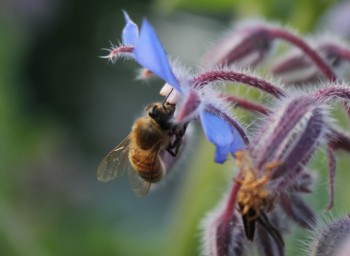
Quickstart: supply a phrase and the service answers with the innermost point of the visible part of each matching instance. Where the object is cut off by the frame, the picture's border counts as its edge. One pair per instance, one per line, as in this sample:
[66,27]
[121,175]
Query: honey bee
[139,152]
[254,197]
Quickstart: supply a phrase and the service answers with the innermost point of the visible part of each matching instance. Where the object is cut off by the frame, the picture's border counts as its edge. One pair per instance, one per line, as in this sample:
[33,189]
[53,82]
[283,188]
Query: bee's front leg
[174,147]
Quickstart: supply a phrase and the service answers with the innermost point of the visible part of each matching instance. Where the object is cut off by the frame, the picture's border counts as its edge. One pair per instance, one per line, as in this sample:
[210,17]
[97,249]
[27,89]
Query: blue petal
[221,154]
[237,143]
[150,53]
[130,32]
[218,132]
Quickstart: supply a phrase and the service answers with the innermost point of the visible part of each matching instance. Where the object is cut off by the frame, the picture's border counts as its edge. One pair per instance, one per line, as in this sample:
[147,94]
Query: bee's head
[161,112]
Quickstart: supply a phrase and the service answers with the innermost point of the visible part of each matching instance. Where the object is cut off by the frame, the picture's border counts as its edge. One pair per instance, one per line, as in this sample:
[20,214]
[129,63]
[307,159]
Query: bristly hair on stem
[249,44]
[296,68]
[331,237]
[226,75]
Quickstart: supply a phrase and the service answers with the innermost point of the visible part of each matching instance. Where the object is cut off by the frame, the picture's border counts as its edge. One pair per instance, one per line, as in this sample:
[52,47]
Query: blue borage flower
[145,48]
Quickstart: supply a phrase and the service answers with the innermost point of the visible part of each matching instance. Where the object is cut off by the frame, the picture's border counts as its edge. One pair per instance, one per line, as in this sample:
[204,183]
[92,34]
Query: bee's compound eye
[153,111]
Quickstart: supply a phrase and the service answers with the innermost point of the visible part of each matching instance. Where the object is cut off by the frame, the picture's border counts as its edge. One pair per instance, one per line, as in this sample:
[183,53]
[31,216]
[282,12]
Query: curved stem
[327,93]
[231,202]
[246,104]
[336,50]
[233,76]
[300,43]
[338,140]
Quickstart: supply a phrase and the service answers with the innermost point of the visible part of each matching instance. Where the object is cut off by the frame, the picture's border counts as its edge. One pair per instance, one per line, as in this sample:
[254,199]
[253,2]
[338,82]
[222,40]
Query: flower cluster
[272,162]
[272,171]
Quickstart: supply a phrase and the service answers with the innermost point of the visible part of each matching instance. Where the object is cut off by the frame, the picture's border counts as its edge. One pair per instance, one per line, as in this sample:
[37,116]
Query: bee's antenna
[167,98]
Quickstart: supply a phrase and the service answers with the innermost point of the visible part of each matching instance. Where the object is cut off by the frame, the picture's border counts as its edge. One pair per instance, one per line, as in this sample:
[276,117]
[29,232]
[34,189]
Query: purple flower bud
[266,243]
[338,139]
[307,50]
[246,46]
[250,44]
[223,233]
[297,68]
[344,249]
[297,209]
[289,135]
[304,181]
[331,238]
[272,173]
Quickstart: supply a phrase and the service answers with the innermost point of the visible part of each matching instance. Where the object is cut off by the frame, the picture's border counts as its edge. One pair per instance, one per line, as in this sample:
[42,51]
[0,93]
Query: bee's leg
[181,132]
[173,148]
[172,153]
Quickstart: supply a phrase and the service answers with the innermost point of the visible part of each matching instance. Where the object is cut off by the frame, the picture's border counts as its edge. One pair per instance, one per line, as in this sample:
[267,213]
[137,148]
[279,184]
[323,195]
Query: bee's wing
[115,163]
[137,183]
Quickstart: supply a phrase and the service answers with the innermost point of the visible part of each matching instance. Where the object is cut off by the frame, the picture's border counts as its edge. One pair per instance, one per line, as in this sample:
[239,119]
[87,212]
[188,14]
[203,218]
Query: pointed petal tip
[130,32]
[150,53]
[126,16]
[221,154]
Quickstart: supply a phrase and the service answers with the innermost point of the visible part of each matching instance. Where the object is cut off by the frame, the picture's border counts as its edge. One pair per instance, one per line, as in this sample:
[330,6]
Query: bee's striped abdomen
[148,166]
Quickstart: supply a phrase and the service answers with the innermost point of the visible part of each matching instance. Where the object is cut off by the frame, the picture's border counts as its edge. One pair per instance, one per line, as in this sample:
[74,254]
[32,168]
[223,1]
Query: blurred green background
[62,108]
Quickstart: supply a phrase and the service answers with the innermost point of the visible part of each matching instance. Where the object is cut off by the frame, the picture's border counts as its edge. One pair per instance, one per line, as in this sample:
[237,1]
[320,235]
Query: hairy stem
[233,76]
[245,104]
[301,44]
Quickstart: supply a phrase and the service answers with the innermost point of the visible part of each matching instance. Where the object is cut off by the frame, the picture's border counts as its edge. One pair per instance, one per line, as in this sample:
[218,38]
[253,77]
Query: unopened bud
[333,239]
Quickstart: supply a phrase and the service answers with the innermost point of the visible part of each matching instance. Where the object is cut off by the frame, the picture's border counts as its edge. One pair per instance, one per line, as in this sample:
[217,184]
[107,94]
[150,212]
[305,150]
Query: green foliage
[299,14]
